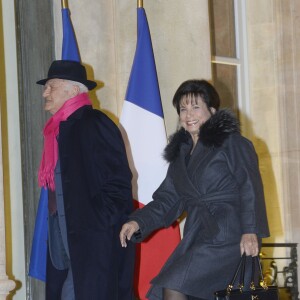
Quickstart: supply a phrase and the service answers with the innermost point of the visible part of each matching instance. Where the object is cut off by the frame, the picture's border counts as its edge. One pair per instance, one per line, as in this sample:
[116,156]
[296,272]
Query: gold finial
[140,3]
[64,4]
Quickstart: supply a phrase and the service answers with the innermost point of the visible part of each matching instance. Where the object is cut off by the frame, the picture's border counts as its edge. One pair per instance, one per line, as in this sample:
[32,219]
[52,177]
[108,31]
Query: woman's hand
[249,244]
[128,229]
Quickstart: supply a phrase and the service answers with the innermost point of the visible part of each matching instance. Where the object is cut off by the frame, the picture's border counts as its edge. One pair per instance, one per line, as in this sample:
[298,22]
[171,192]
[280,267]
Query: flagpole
[64,4]
[139,3]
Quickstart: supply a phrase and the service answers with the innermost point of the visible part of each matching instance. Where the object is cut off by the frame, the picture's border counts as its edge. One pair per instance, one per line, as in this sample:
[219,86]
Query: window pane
[225,81]
[222,28]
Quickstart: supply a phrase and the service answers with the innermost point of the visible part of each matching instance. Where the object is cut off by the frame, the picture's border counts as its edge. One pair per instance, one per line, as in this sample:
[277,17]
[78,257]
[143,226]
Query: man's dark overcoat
[96,182]
[220,188]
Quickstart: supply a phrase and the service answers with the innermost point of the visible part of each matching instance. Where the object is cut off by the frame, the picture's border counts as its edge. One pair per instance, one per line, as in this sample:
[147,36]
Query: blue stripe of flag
[143,88]
[38,257]
[69,46]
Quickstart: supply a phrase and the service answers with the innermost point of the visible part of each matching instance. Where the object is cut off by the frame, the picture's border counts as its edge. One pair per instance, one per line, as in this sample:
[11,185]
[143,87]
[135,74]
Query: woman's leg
[173,295]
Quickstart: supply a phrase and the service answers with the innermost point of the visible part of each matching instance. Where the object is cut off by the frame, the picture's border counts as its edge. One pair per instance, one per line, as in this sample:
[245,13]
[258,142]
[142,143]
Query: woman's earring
[212,110]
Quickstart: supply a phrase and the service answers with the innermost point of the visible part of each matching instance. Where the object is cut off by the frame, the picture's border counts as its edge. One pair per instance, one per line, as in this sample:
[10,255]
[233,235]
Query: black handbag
[261,292]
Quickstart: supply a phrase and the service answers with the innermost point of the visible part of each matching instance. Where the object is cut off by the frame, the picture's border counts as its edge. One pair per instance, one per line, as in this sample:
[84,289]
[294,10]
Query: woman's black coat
[220,188]
[96,182]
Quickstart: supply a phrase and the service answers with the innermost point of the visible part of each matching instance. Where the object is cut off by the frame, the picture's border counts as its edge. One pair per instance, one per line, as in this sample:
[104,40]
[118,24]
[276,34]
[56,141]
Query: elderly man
[85,170]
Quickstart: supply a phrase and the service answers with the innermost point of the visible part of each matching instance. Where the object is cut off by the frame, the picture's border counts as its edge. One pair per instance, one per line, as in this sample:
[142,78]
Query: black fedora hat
[70,70]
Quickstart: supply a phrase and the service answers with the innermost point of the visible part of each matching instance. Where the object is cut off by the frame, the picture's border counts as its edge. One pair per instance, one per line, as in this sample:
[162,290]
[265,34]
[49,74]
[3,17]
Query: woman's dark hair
[200,88]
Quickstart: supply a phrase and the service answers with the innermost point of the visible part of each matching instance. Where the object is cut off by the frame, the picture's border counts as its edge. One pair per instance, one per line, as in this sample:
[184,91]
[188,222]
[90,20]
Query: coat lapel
[183,182]
[199,155]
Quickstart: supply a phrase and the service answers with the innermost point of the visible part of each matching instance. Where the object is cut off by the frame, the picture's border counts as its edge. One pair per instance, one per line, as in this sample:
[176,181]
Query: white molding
[225,60]
[14,156]
[242,49]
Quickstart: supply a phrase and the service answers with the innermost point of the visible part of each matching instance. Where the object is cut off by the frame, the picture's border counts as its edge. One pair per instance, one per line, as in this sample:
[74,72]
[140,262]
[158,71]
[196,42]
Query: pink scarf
[51,131]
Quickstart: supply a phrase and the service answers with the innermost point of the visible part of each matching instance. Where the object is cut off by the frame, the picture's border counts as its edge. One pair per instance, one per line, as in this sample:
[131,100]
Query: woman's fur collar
[212,133]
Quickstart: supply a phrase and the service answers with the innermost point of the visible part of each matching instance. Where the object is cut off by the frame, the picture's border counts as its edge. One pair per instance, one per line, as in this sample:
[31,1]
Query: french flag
[143,129]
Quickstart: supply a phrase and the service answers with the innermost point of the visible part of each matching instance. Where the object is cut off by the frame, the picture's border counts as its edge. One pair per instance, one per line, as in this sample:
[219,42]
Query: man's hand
[127,231]
[249,244]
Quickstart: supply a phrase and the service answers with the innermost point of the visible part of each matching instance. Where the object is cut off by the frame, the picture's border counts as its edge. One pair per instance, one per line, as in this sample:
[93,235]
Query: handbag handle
[241,263]
[241,269]
[262,282]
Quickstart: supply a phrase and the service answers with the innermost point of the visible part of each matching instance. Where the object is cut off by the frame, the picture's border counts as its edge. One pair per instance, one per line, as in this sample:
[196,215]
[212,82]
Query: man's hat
[70,70]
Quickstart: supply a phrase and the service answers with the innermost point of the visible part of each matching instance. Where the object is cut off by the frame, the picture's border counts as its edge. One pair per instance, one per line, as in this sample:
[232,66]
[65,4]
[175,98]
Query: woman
[213,175]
